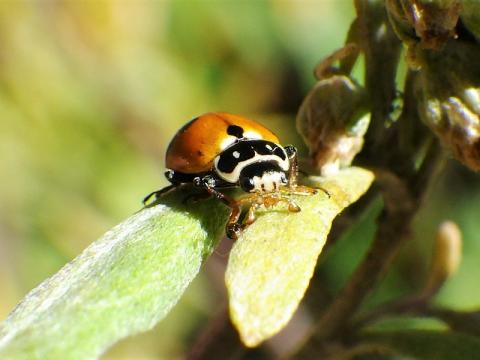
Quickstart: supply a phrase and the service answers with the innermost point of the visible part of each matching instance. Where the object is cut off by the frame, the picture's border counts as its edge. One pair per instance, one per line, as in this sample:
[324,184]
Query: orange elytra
[196,144]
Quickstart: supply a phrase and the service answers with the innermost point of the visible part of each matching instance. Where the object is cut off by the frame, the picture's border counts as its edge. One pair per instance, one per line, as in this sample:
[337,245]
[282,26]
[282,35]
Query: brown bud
[425,23]
[449,99]
[332,120]
[401,18]
[447,255]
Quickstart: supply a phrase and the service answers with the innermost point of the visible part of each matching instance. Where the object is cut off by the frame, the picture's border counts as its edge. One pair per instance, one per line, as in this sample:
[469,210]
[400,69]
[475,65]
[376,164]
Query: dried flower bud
[471,16]
[402,21]
[450,99]
[428,23]
[332,120]
[447,255]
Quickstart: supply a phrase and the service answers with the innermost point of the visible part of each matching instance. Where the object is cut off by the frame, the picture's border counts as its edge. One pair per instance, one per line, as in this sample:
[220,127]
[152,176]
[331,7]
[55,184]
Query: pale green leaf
[271,264]
[122,284]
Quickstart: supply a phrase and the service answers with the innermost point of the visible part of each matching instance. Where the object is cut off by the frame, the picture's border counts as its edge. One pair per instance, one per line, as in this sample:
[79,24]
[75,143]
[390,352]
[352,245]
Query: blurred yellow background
[92,91]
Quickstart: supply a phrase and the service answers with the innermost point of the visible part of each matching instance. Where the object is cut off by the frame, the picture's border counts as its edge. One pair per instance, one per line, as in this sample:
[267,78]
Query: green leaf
[460,321]
[471,16]
[122,284]
[434,345]
[271,264]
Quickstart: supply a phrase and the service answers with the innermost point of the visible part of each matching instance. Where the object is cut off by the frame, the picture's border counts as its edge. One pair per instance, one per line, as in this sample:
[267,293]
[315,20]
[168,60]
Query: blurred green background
[92,91]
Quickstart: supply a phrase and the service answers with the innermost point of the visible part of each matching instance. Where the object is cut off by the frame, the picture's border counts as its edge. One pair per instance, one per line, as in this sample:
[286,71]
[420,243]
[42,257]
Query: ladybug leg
[268,201]
[176,180]
[272,200]
[294,188]
[233,227]
[194,198]
[293,170]
[250,218]
[157,194]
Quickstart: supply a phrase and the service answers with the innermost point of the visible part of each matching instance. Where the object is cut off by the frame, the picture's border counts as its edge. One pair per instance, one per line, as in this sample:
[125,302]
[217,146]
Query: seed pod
[449,99]
[447,255]
[332,120]
[427,23]
[402,21]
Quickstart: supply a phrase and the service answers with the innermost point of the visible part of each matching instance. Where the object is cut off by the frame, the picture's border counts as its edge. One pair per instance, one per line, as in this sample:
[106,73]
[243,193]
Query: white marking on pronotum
[235,174]
[236,154]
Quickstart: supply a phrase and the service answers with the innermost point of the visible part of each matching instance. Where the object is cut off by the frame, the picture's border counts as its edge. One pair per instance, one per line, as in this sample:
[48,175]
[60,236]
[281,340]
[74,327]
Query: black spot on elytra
[235,130]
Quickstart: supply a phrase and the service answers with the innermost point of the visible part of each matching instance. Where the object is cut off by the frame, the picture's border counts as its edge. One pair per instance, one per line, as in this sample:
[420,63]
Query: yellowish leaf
[271,264]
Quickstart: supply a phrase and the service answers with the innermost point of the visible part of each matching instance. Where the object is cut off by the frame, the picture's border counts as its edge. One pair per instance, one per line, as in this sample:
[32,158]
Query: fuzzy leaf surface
[271,264]
[122,284]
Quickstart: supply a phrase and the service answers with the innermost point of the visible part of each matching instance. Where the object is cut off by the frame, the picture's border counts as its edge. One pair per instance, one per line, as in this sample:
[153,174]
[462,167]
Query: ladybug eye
[246,184]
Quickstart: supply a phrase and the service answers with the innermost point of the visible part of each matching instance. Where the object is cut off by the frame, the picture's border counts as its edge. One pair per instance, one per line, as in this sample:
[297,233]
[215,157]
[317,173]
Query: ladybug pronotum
[216,151]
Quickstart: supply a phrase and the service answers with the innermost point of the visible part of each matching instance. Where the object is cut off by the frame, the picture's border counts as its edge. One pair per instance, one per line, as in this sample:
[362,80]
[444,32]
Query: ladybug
[216,151]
